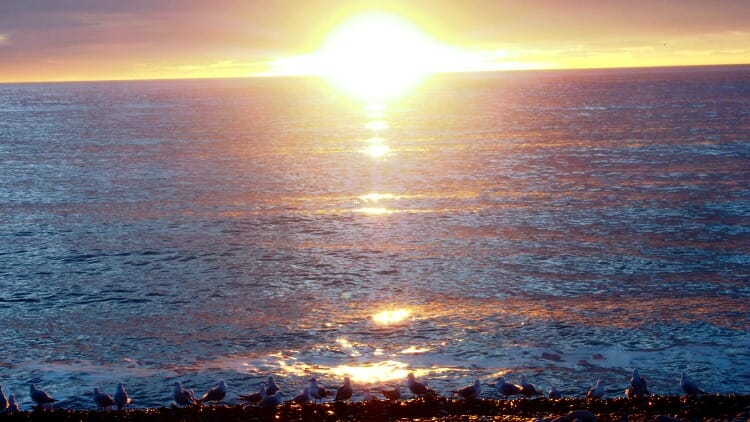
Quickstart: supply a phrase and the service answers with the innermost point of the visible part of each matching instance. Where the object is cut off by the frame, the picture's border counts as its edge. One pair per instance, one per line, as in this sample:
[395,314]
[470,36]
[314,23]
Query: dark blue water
[569,226]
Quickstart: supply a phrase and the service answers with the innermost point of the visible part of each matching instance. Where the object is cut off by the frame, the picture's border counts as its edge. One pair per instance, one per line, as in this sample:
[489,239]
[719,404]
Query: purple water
[569,226]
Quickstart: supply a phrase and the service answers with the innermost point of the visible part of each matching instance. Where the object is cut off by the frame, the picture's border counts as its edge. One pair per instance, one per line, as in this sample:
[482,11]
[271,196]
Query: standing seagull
[596,392]
[688,386]
[42,399]
[256,397]
[270,402]
[3,401]
[303,397]
[182,396]
[103,401]
[345,391]
[271,387]
[13,406]
[470,392]
[121,397]
[317,392]
[528,389]
[393,394]
[417,388]
[507,389]
[638,386]
[215,394]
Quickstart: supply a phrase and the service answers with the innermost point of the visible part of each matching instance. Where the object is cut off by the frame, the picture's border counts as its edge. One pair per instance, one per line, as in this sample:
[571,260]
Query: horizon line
[280,76]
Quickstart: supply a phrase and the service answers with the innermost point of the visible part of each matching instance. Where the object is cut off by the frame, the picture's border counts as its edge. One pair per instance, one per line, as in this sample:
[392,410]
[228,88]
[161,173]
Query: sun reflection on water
[391,316]
[377,125]
[377,150]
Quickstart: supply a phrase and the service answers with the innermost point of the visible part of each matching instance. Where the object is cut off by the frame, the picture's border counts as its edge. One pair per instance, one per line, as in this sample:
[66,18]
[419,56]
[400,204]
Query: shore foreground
[664,409]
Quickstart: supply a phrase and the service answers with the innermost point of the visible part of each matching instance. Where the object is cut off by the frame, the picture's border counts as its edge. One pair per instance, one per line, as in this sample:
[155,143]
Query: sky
[65,40]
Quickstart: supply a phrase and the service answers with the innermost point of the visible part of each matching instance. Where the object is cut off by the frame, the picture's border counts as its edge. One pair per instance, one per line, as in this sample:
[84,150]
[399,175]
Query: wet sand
[731,407]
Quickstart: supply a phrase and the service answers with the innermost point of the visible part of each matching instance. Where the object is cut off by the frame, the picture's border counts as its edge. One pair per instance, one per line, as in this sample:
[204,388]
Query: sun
[373,56]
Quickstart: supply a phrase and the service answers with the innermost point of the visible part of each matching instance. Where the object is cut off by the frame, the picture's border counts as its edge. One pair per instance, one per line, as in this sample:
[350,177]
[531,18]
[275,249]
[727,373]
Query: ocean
[566,225]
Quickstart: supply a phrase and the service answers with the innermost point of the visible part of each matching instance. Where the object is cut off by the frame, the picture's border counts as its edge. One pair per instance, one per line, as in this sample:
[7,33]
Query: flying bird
[103,401]
[215,394]
[256,397]
[470,392]
[596,392]
[182,396]
[528,389]
[121,397]
[689,387]
[42,399]
[345,391]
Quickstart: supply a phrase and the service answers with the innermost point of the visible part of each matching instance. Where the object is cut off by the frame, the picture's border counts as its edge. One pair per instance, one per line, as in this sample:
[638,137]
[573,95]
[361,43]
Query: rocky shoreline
[665,409]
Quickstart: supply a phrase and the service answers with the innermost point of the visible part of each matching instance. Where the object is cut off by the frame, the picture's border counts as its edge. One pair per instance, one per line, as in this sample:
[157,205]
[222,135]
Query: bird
[528,389]
[507,389]
[270,401]
[554,393]
[596,392]
[345,391]
[317,392]
[103,401]
[368,396]
[417,388]
[689,387]
[303,397]
[12,405]
[182,396]
[256,397]
[393,394]
[638,387]
[271,387]
[470,392]
[121,397]
[42,399]
[215,394]
[3,400]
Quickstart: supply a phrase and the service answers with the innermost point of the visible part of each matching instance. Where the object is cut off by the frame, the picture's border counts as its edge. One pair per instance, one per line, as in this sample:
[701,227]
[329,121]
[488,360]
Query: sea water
[566,225]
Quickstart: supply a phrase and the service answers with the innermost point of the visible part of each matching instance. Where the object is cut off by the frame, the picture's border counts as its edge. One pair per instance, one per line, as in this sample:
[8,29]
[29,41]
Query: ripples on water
[566,225]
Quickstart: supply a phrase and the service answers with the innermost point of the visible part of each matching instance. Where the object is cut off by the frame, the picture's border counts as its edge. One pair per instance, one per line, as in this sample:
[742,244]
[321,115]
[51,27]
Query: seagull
[637,386]
[470,392]
[256,397]
[270,402]
[303,397]
[3,400]
[596,392]
[41,397]
[507,389]
[271,387]
[417,388]
[317,392]
[183,397]
[393,394]
[103,401]
[368,396]
[554,393]
[689,387]
[528,389]
[121,397]
[12,406]
[215,394]
[345,391]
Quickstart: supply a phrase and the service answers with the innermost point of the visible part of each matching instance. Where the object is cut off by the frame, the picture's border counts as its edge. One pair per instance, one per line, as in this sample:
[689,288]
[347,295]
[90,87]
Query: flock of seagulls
[269,394]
